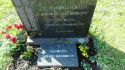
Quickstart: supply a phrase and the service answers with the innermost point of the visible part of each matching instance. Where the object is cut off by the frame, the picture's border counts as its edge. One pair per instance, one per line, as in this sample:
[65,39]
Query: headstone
[56,25]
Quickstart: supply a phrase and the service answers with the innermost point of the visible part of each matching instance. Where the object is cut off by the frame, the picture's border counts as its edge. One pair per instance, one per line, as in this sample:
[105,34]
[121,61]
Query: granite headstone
[56,25]
[56,18]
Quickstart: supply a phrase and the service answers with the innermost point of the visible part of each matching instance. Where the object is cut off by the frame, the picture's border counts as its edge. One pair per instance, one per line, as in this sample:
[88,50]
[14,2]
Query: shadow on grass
[108,57]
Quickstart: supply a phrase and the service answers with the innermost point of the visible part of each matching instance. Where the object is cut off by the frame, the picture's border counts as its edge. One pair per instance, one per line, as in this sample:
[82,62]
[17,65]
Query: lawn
[107,29]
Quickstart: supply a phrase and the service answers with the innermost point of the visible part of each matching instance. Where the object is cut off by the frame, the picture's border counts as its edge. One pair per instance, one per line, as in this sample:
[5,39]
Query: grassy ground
[109,33]
[107,29]
[7,17]
[6,8]
[109,22]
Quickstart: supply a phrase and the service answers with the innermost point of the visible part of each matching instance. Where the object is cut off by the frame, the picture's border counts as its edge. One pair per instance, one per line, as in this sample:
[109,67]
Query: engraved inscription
[63,18]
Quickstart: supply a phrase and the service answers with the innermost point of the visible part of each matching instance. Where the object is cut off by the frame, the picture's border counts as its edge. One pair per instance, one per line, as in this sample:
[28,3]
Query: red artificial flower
[16,26]
[3,32]
[13,39]
[21,26]
[9,27]
[7,36]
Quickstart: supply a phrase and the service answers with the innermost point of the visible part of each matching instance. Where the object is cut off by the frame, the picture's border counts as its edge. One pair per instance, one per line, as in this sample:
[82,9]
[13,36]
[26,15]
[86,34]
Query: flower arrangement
[13,38]
[12,32]
[12,42]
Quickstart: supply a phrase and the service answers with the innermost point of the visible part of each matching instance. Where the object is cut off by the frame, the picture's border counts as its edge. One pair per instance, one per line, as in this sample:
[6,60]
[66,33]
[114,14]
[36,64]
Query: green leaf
[14,33]
[0,43]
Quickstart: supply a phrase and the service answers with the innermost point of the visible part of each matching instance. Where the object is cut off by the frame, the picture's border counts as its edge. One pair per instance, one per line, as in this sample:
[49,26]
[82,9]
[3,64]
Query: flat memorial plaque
[58,53]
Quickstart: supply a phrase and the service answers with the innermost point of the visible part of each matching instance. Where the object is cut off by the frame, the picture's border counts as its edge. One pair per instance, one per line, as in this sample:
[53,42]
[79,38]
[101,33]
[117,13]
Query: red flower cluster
[19,26]
[13,39]
[8,36]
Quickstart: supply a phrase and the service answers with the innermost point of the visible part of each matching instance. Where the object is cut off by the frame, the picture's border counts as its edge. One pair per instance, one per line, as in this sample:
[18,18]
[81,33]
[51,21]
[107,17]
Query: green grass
[6,8]
[8,16]
[4,59]
[108,30]
[109,19]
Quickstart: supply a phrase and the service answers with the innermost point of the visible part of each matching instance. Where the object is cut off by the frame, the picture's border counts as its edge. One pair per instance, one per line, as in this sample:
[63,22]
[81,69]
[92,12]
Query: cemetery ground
[107,31]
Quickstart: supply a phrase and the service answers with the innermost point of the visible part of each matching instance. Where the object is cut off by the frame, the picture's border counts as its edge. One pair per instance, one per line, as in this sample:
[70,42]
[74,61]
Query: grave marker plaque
[58,53]
[50,21]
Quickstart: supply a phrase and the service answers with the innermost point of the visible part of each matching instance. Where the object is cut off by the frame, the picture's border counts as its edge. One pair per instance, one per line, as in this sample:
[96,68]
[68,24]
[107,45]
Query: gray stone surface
[51,40]
[56,18]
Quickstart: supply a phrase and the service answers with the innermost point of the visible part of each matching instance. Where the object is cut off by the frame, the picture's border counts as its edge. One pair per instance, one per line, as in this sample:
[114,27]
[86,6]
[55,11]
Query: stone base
[61,52]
